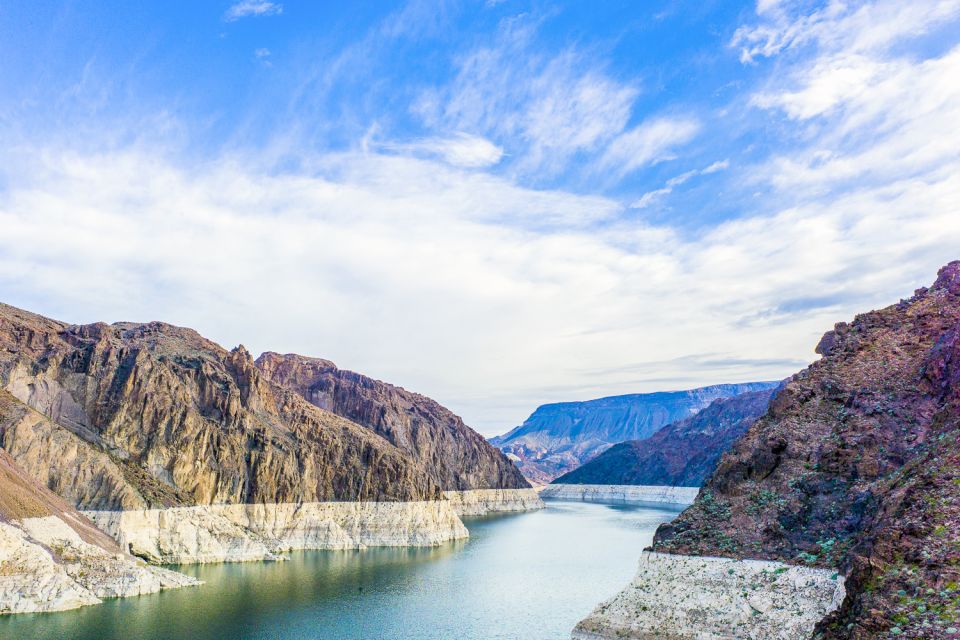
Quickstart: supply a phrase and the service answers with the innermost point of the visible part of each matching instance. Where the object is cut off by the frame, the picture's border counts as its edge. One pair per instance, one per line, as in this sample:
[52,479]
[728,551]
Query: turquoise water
[530,575]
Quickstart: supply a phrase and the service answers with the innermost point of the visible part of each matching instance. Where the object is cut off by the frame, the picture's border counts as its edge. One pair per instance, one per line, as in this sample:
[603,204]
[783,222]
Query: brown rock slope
[455,456]
[23,497]
[153,415]
[856,465]
[682,454]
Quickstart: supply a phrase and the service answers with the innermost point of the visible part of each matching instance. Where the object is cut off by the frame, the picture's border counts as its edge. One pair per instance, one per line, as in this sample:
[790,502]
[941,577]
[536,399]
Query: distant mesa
[558,438]
[681,454]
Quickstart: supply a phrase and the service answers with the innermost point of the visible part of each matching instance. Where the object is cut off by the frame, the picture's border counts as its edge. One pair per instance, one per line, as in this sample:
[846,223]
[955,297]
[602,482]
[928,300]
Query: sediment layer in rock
[52,558]
[479,502]
[620,493]
[46,566]
[677,597]
[251,532]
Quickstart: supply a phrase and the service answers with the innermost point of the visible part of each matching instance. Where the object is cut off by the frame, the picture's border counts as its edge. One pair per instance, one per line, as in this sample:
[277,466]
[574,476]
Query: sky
[497,204]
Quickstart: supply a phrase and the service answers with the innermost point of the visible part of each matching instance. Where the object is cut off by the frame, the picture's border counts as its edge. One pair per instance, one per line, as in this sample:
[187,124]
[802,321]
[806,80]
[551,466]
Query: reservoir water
[530,575]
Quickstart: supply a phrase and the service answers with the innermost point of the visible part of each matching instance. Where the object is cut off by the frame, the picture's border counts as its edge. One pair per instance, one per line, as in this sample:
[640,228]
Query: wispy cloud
[649,142]
[856,27]
[247,8]
[543,108]
[654,196]
[460,150]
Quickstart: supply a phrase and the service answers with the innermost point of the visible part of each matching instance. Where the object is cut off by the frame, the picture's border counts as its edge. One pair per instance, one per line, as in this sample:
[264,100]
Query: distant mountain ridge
[683,453]
[559,437]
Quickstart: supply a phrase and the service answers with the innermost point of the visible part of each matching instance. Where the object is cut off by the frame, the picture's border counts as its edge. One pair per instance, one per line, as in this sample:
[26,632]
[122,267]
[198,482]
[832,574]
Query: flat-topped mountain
[681,454]
[855,467]
[558,438]
[455,456]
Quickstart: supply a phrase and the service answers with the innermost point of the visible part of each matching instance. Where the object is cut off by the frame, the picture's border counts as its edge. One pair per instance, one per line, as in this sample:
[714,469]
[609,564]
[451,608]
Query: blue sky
[498,204]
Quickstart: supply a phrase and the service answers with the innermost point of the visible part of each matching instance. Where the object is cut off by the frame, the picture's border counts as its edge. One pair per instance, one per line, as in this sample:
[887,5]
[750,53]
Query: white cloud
[857,27]
[488,296]
[647,143]
[544,109]
[262,52]
[246,8]
[461,150]
[875,111]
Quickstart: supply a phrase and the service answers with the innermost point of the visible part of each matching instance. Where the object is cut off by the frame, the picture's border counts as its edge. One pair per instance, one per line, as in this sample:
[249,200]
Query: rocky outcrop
[480,502]
[856,465]
[558,438]
[52,558]
[620,494]
[252,532]
[455,456]
[683,597]
[683,453]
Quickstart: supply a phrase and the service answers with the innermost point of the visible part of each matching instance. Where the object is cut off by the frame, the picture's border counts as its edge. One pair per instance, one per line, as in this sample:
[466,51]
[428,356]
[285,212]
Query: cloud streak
[252,8]
[651,197]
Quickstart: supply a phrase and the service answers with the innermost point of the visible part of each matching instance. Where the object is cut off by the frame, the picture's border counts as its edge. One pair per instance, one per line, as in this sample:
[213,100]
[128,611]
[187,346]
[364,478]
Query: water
[530,575]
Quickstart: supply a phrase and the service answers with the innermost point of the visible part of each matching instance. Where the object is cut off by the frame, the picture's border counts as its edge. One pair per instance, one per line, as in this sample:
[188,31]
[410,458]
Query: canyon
[184,451]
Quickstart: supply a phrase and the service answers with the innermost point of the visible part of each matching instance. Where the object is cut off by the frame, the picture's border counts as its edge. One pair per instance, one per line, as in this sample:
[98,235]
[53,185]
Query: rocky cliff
[169,419]
[558,438]
[682,454]
[856,466]
[455,456]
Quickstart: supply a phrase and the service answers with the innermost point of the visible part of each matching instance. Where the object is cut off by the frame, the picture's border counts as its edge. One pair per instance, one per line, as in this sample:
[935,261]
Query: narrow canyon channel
[528,575]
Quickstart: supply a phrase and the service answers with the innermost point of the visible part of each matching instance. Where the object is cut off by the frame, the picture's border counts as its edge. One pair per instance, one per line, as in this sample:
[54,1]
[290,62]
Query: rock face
[731,599]
[619,493]
[683,453]
[558,438]
[186,422]
[856,465]
[52,558]
[455,456]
